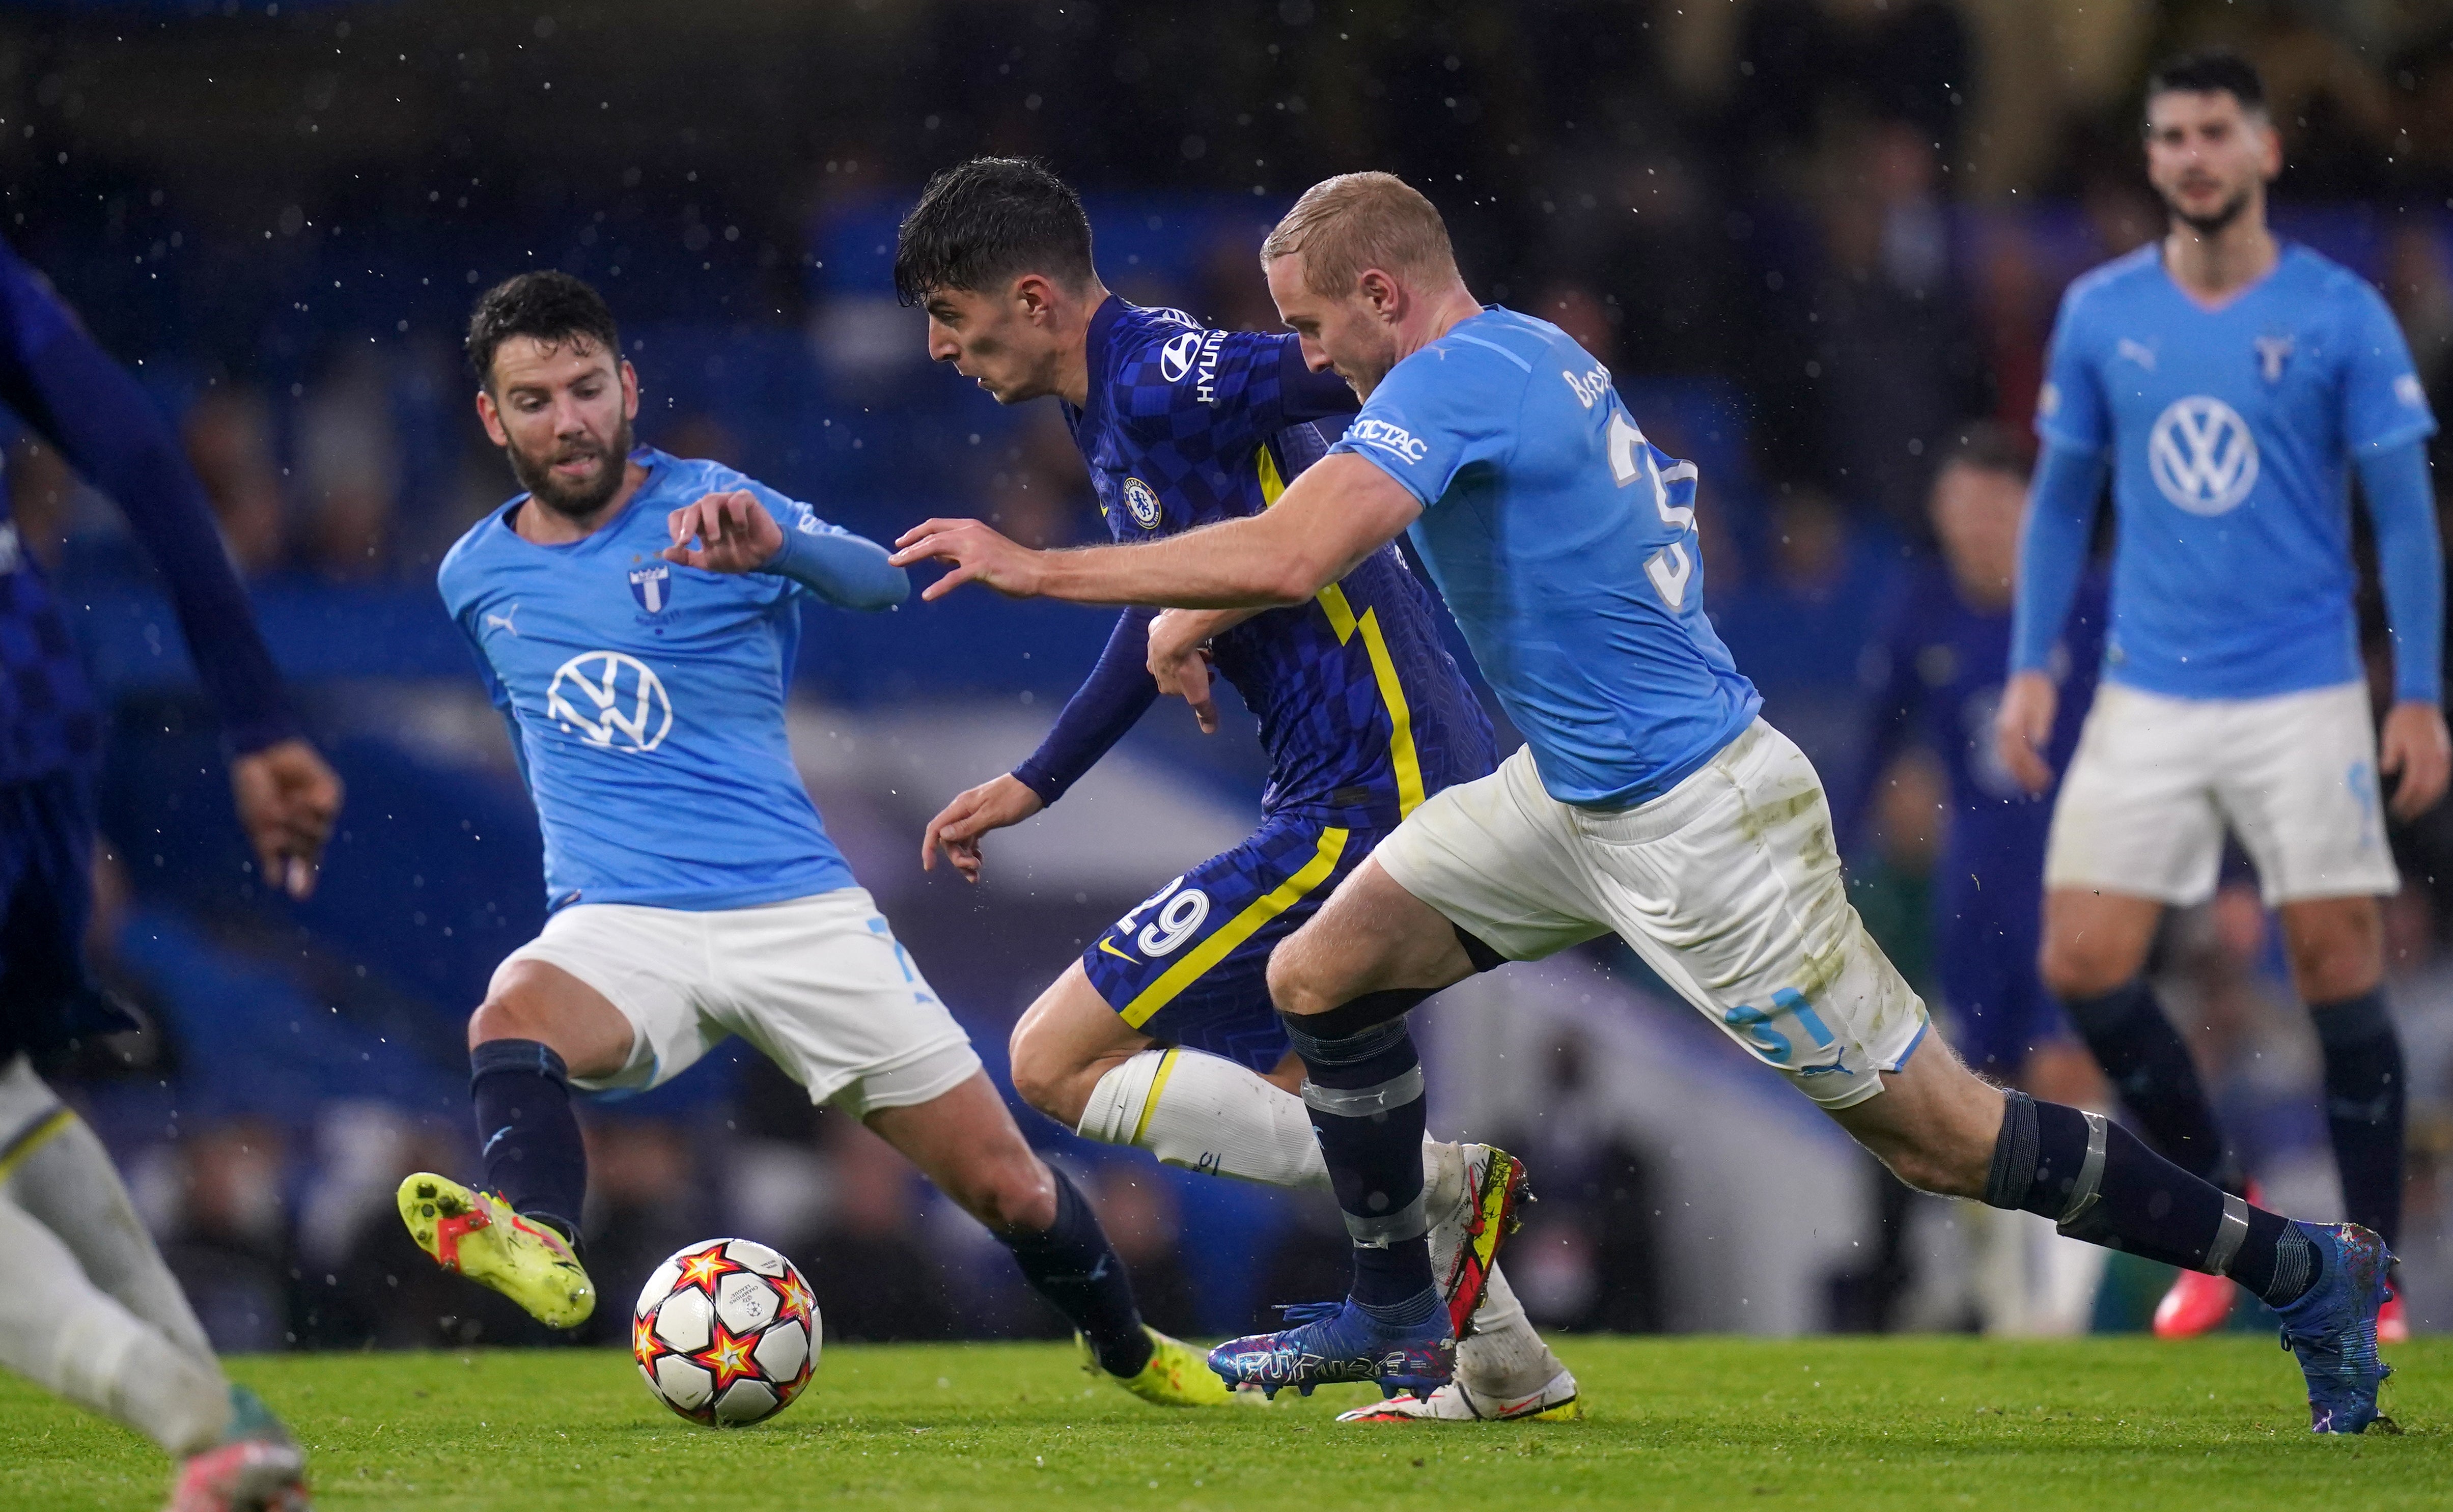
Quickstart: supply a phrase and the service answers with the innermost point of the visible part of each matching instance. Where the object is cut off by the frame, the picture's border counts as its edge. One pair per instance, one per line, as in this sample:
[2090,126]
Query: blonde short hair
[1344,225]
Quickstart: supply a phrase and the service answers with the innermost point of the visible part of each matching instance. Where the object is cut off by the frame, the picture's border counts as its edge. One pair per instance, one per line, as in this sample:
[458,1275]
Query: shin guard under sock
[2366,1106]
[2150,1065]
[528,1137]
[1071,1264]
[1363,1088]
[2100,1184]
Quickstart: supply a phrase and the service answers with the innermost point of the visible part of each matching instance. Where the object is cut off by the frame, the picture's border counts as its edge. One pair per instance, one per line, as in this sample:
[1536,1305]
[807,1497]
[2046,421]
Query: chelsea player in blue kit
[2233,382]
[1650,800]
[87,1306]
[1162,1035]
[635,617]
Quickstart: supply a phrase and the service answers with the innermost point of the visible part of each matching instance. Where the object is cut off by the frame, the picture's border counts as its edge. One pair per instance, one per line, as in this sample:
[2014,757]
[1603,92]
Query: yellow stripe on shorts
[1234,932]
[34,1139]
[1384,667]
[1149,1099]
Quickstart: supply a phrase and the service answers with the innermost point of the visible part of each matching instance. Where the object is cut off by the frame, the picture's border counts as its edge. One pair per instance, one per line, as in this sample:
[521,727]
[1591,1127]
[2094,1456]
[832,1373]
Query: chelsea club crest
[1141,503]
[653,587]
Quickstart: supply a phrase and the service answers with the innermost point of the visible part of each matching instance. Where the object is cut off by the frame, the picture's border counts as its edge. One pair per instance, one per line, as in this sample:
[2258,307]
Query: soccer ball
[726,1333]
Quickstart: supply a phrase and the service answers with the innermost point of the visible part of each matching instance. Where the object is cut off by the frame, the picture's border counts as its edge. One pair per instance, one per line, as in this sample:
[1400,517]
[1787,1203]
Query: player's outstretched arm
[735,532]
[1341,510]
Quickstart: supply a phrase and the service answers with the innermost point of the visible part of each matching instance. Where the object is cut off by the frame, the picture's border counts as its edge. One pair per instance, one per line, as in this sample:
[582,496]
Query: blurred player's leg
[64,1179]
[64,1333]
[966,1142]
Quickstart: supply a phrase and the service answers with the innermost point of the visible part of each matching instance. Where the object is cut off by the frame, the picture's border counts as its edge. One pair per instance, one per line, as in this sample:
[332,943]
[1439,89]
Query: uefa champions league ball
[726,1333]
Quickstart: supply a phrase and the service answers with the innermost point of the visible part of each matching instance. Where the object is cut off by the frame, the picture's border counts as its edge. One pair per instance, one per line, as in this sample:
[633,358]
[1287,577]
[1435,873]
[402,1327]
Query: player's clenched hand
[973,553]
[734,531]
[1180,661]
[2416,748]
[286,801]
[958,826]
[2024,727]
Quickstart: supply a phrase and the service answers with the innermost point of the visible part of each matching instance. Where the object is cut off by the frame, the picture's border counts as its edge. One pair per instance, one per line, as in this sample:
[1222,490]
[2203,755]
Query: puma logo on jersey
[503,622]
[2137,352]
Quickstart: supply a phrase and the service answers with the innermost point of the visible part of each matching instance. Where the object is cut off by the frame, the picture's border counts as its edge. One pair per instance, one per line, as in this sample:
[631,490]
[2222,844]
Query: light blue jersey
[2232,434]
[1566,544]
[645,702]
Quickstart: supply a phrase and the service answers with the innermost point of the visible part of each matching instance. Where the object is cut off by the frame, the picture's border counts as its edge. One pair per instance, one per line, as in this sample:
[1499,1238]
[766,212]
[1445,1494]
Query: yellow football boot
[478,1235]
[1178,1375]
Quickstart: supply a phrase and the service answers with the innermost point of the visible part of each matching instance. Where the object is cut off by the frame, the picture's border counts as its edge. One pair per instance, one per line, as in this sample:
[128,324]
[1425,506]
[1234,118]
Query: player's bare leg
[2094,959]
[2337,950]
[539,1027]
[966,1142]
[1076,1060]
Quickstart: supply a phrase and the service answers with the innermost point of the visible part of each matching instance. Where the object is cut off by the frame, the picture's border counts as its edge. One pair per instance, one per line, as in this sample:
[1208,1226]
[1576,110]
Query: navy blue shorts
[1190,965]
[47,998]
[1985,948]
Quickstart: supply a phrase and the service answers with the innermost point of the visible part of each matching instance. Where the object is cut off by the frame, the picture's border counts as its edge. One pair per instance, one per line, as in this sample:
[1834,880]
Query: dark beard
[2210,225]
[573,504]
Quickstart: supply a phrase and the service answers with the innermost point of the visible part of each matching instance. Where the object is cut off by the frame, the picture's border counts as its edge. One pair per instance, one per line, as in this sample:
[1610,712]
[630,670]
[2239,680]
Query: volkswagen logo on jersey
[610,701]
[653,587]
[2202,456]
[1141,503]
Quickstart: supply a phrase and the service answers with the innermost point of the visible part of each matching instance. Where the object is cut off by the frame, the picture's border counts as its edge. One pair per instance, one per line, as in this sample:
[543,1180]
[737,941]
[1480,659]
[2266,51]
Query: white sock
[60,1331]
[1504,1357]
[69,1185]
[1207,1114]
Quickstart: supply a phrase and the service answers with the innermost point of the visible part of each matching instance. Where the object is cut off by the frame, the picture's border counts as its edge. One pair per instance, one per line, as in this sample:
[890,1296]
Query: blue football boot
[2333,1330]
[1337,1340]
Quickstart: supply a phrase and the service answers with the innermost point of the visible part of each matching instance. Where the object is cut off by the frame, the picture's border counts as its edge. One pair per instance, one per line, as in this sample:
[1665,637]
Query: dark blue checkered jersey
[1361,709]
[56,380]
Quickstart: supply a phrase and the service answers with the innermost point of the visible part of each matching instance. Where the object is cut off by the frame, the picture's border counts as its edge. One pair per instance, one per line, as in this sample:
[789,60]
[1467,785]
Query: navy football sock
[1363,1084]
[2364,1106]
[1073,1266]
[528,1138]
[2150,1067]
[2101,1182]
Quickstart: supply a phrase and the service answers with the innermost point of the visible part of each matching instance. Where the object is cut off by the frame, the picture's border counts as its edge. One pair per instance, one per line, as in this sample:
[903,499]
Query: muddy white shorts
[2156,780]
[1727,884]
[819,985]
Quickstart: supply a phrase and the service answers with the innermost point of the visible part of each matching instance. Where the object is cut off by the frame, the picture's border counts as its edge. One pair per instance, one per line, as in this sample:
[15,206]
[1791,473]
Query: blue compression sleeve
[2410,560]
[845,569]
[2052,551]
[71,392]
[1116,694]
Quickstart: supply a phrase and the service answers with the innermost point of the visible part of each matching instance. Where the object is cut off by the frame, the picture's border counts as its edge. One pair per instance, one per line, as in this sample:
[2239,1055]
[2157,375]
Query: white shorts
[818,983]
[1727,884]
[2156,780]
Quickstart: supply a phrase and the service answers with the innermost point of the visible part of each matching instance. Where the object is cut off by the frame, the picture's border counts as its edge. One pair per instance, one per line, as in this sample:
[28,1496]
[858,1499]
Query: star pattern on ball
[644,1345]
[797,1302]
[703,1269]
[729,1358]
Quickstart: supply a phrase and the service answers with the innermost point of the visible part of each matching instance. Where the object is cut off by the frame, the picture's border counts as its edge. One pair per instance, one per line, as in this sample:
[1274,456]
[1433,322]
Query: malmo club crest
[1141,503]
[653,587]
[611,701]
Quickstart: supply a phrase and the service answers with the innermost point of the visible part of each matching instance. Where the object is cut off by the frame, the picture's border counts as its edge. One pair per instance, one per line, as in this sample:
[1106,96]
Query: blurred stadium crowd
[1814,239]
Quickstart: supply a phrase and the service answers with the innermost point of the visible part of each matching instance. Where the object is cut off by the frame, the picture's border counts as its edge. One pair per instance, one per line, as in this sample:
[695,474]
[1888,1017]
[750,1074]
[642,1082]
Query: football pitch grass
[1675,1423]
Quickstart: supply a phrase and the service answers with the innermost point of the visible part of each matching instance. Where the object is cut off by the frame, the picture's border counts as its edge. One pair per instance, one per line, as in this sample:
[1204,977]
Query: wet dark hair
[550,305]
[2216,71]
[985,222]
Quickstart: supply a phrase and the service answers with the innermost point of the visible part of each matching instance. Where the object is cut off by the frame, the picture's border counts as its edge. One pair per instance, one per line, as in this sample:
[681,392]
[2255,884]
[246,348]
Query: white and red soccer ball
[726,1333]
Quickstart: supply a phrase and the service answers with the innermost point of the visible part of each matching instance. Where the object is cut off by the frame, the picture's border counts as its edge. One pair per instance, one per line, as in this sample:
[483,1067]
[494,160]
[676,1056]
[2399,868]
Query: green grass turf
[1680,1422]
